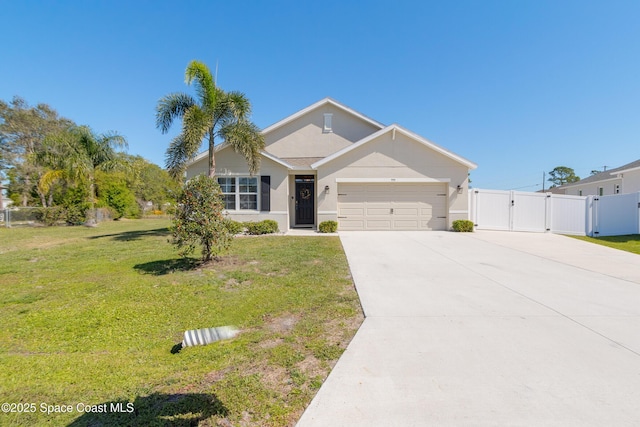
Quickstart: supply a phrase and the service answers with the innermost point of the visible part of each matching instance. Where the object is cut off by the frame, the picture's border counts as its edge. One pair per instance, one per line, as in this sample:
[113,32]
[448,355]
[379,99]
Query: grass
[629,243]
[90,317]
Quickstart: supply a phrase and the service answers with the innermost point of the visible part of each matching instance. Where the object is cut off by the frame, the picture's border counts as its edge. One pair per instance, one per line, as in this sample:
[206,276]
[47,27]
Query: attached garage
[392,206]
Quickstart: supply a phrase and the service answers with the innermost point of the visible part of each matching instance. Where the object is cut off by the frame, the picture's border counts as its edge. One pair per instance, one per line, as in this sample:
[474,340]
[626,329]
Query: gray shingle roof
[603,175]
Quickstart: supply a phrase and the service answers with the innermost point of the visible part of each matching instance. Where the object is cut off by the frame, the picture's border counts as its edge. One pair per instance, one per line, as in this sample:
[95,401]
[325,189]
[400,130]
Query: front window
[248,190]
[228,187]
[239,193]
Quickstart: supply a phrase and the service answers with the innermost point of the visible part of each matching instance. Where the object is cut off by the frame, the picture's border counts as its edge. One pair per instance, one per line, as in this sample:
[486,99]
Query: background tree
[199,220]
[215,113]
[113,191]
[149,182]
[561,175]
[23,130]
[75,154]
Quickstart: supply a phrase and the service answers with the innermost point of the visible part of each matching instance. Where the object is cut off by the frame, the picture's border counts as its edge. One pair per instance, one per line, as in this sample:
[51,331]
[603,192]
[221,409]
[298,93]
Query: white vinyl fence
[557,213]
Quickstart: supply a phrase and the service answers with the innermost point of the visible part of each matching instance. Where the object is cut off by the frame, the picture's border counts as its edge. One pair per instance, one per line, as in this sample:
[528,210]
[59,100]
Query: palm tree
[75,155]
[214,114]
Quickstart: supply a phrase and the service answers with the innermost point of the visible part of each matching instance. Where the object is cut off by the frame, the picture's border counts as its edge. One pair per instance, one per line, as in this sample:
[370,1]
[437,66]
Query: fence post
[596,216]
[7,218]
[548,212]
[638,213]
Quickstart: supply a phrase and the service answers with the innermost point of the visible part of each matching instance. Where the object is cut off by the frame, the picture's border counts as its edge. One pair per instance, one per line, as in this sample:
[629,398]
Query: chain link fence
[32,217]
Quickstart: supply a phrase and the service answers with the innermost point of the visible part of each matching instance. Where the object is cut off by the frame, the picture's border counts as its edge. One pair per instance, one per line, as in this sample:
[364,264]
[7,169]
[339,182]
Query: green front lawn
[629,243]
[90,317]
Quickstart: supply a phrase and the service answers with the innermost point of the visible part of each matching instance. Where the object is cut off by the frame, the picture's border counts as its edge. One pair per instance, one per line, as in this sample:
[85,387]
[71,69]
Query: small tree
[199,219]
[561,175]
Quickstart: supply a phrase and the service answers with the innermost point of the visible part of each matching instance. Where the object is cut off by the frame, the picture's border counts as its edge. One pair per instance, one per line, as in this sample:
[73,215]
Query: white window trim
[327,125]
[237,193]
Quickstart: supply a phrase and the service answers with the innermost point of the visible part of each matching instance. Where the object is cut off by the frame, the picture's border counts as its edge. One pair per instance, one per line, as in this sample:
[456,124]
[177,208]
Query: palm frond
[114,140]
[198,73]
[239,105]
[171,107]
[49,178]
[69,151]
[245,138]
[179,153]
[176,158]
[195,125]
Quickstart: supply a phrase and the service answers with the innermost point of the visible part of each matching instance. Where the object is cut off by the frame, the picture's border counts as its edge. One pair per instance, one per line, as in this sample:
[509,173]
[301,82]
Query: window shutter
[265,193]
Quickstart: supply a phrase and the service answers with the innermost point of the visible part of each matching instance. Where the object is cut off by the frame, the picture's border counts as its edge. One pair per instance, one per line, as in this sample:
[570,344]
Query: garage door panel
[378,224]
[415,212]
[355,211]
[377,211]
[398,206]
[350,225]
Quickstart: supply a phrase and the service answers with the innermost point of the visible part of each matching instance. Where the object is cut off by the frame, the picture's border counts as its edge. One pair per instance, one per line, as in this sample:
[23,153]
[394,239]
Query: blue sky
[517,86]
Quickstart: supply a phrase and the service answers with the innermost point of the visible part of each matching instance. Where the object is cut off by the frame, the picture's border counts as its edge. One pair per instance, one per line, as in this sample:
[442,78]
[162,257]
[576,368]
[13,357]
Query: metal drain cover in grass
[208,335]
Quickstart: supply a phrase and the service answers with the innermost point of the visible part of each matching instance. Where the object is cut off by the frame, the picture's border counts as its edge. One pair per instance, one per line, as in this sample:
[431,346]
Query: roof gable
[393,129]
[317,105]
[224,146]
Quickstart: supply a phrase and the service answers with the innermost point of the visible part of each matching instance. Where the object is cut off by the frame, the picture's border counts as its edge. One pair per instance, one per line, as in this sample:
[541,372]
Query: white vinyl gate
[558,213]
[511,210]
[616,215]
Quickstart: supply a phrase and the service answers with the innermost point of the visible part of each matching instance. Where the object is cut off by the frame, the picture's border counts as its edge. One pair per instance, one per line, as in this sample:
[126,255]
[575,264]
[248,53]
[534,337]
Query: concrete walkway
[487,329]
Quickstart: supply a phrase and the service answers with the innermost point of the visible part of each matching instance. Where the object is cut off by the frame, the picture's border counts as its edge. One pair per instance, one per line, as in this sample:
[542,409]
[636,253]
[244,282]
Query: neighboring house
[625,179]
[329,162]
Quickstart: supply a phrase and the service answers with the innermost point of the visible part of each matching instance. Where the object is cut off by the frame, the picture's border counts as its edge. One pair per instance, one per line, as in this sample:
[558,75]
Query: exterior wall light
[326,189]
[459,188]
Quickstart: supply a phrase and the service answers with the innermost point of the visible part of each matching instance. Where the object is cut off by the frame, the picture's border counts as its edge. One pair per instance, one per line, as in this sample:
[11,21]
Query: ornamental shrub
[198,219]
[462,225]
[50,216]
[76,214]
[328,227]
[268,226]
[271,225]
[234,227]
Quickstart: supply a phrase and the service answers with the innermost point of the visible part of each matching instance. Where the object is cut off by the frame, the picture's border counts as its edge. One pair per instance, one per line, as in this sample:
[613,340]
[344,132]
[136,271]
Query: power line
[526,186]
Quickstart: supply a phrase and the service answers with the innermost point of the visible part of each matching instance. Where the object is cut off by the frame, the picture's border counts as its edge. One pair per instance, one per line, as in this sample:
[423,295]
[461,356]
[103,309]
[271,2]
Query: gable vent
[327,128]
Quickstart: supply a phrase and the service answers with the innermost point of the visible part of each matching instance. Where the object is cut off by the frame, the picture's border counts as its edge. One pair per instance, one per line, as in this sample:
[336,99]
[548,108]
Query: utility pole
[544,175]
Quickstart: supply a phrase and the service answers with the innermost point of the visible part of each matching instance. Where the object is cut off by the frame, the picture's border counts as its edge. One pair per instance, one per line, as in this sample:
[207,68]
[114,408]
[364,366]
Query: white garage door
[397,206]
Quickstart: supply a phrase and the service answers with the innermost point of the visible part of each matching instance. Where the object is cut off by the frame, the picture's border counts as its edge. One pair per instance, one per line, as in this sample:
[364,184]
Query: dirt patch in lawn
[282,324]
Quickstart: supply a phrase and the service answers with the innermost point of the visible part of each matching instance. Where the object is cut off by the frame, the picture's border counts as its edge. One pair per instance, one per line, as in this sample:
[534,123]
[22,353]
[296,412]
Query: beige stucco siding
[230,163]
[198,168]
[304,136]
[387,158]
[592,188]
[631,182]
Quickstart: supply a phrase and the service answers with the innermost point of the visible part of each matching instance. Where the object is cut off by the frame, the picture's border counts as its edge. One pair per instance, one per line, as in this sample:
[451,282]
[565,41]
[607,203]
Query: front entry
[305,199]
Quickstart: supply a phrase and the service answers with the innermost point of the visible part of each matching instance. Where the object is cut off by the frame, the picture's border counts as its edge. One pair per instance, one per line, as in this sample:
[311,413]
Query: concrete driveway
[487,329]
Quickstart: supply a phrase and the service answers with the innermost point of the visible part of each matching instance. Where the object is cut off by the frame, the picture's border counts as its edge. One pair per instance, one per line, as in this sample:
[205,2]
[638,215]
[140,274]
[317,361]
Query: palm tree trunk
[25,193]
[212,158]
[91,215]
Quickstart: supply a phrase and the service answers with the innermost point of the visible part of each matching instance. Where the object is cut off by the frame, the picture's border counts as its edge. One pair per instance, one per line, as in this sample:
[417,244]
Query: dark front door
[305,197]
